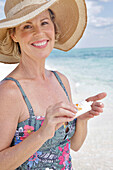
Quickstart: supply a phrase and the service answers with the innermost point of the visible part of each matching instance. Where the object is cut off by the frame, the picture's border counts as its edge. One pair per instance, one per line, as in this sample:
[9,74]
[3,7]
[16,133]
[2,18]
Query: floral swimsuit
[55,152]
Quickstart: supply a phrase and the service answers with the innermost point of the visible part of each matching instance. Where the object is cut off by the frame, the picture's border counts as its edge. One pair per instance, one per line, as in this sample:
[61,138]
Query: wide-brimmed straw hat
[70,15]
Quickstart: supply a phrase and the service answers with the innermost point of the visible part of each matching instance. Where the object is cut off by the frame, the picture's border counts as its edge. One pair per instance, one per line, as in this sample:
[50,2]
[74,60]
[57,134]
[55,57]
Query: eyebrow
[28,22]
[44,19]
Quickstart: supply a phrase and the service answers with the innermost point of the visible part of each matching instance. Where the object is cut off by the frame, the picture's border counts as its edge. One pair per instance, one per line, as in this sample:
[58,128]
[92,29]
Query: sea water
[90,71]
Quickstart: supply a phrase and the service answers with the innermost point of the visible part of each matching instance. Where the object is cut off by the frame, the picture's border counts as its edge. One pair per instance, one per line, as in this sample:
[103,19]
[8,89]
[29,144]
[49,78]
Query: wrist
[42,134]
[82,121]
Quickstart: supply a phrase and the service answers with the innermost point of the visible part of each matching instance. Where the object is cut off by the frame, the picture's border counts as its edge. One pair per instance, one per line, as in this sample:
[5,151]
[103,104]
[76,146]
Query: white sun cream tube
[82,107]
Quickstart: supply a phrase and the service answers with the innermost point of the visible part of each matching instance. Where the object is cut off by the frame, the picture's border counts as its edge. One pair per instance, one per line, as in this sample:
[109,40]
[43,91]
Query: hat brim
[8,59]
[70,15]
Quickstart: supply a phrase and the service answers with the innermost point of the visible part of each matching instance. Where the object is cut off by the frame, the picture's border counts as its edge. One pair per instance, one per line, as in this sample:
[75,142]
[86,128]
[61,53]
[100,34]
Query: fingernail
[75,109]
[73,114]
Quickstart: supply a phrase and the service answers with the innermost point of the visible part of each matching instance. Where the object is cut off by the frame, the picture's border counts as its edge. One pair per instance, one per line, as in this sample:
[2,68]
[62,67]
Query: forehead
[41,16]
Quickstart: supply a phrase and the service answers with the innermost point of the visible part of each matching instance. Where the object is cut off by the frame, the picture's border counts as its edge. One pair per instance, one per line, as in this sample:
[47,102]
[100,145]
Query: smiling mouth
[40,44]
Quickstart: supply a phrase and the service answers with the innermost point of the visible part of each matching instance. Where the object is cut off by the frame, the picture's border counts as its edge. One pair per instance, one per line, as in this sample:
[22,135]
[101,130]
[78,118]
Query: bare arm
[81,129]
[80,135]
[81,125]
[12,157]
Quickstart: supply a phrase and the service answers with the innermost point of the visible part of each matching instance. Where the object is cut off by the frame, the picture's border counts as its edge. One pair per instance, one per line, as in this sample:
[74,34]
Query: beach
[90,71]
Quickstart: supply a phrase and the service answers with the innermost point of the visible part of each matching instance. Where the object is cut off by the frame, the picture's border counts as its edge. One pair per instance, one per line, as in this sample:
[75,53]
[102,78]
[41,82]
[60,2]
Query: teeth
[40,44]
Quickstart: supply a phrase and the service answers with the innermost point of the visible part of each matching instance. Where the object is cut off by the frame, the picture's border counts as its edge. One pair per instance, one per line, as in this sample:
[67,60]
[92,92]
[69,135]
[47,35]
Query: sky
[99,31]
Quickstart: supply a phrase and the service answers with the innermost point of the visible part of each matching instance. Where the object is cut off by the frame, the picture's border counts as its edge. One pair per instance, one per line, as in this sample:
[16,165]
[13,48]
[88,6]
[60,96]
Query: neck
[33,69]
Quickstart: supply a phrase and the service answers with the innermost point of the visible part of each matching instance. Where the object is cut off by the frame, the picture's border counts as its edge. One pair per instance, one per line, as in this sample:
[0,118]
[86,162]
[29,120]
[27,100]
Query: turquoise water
[89,70]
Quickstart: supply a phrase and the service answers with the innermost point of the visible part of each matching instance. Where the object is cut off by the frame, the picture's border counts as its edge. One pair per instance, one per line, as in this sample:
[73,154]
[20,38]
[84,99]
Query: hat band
[24,4]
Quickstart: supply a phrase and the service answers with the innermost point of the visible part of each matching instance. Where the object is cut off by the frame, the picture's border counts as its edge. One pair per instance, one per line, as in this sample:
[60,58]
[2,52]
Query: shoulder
[8,96]
[7,89]
[9,112]
[65,81]
[63,78]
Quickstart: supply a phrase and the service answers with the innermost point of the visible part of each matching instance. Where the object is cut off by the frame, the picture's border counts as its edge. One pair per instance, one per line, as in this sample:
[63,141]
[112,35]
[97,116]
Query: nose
[38,30]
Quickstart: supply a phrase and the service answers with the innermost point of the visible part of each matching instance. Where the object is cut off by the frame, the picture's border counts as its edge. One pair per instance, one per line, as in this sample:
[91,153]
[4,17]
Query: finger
[61,112]
[66,106]
[98,109]
[94,113]
[63,119]
[97,97]
[59,125]
[58,111]
[90,115]
[98,104]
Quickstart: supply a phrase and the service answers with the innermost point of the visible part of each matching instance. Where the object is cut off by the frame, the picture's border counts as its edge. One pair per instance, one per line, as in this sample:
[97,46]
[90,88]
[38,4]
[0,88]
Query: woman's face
[36,37]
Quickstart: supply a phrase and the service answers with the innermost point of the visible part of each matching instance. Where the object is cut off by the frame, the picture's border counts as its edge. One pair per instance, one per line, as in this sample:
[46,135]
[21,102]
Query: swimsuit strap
[31,112]
[61,83]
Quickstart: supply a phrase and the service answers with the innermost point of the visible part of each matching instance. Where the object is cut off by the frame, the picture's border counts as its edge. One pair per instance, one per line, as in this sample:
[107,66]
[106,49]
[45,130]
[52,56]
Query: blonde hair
[9,47]
[57,29]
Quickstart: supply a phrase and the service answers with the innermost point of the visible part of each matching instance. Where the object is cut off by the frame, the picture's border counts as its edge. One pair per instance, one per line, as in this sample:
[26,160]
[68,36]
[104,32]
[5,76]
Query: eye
[44,23]
[27,27]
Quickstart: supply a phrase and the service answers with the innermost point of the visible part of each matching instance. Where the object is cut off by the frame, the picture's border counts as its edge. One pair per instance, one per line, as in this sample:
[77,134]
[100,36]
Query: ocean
[90,71]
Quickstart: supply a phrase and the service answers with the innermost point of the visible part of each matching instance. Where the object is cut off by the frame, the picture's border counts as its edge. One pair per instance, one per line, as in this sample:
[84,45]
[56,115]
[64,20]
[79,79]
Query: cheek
[24,38]
[52,33]
[51,30]
[24,35]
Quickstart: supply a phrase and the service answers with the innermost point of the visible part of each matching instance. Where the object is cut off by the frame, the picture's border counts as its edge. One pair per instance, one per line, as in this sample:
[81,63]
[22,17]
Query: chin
[43,55]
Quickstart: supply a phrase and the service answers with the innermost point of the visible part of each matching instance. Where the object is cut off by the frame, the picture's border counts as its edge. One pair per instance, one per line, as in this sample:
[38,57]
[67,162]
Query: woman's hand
[56,116]
[97,107]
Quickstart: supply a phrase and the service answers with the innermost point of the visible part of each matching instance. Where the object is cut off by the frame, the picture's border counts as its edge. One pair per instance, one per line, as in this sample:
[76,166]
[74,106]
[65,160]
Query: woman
[36,102]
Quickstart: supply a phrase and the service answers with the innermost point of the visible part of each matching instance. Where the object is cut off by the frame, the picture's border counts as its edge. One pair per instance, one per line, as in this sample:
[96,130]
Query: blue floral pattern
[54,153]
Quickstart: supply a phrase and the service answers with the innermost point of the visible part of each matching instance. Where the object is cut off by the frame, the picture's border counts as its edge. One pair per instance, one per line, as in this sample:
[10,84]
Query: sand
[97,151]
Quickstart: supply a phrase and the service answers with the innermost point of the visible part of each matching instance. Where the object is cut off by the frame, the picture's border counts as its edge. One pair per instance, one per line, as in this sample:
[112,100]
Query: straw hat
[70,15]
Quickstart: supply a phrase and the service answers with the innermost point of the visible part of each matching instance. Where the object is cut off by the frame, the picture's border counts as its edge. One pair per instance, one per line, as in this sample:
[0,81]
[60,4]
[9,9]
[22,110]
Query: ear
[13,36]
